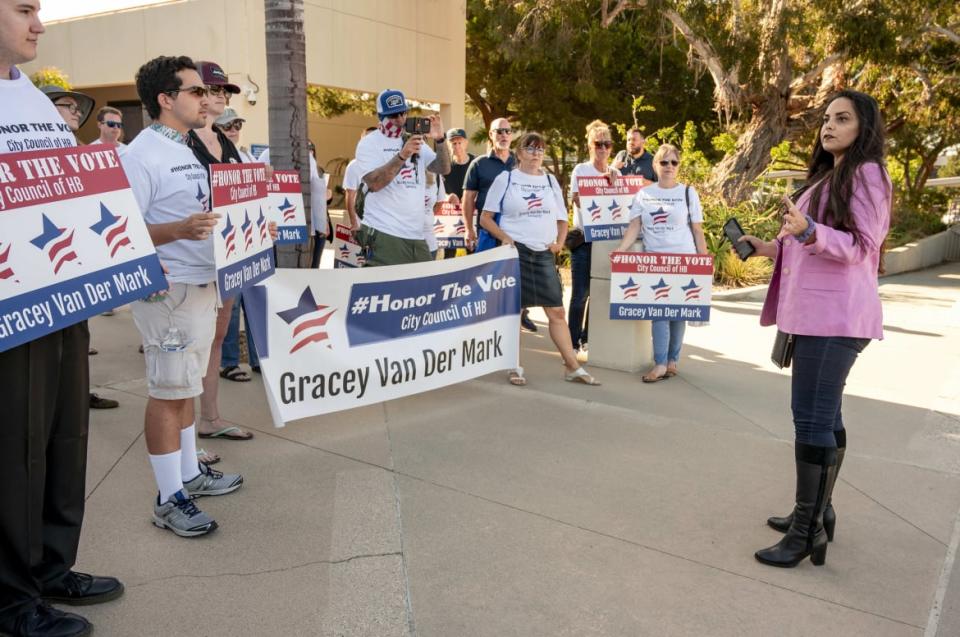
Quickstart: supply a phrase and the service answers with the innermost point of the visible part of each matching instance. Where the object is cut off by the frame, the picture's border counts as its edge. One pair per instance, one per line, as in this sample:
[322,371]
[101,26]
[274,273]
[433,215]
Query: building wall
[417,46]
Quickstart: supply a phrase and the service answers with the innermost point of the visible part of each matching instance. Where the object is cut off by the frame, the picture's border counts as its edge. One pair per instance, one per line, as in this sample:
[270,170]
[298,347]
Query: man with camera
[393,161]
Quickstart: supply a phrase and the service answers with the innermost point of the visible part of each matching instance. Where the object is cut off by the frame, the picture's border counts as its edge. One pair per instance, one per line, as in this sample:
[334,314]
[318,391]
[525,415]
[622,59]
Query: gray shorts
[177,332]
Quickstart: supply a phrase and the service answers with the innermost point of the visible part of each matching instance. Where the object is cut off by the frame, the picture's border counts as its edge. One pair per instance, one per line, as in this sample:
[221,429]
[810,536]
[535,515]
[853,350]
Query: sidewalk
[553,509]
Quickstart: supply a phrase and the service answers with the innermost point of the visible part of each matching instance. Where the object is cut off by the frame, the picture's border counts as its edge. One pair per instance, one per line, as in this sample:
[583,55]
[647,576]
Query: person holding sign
[43,439]
[669,217]
[600,145]
[177,327]
[824,294]
[533,218]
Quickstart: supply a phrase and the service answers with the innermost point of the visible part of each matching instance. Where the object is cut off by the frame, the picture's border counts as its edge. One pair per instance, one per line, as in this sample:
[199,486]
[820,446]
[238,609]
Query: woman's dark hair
[837,181]
[531,139]
[157,76]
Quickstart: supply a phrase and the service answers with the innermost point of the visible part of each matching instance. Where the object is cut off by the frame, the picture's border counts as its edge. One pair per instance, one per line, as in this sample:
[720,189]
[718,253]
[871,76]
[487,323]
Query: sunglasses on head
[113,124]
[72,108]
[603,144]
[196,91]
[234,125]
[502,131]
[669,162]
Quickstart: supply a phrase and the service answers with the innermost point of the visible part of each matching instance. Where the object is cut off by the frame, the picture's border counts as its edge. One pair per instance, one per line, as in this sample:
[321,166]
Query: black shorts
[539,279]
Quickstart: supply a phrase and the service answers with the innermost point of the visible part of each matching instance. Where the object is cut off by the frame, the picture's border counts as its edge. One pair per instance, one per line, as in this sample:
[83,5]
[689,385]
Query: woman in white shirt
[671,219]
[534,220]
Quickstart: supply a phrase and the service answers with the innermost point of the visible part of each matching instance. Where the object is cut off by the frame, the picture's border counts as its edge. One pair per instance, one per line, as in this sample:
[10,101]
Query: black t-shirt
[453,182]
[203,155]
[642,165]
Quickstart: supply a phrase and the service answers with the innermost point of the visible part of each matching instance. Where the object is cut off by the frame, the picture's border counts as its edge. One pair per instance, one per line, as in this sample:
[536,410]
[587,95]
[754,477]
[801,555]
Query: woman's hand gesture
[794,221]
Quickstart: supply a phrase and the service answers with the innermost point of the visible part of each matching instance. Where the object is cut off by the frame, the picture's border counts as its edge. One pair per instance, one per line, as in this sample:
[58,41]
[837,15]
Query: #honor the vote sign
[242,246]
[73,242]
[286,206]
[647,286]
[605,207]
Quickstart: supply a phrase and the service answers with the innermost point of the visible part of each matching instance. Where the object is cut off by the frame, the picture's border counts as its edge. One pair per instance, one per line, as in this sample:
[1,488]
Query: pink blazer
[829,288]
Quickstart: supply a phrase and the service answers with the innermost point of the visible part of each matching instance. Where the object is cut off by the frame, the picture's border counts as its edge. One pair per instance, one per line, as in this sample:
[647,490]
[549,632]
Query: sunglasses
[397,115]
[234,125]
[603,144]
[670,162]
[216,89]
[73,109]
[502,131]
[196,91]
[113,124]
[534,150]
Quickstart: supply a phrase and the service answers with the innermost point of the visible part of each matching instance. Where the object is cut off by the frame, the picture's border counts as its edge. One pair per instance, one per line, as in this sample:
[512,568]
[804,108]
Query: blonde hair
[597,128]
[663,151]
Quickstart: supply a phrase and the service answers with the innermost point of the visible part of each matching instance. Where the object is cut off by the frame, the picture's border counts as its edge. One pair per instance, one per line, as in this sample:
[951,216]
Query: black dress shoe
[41,620]
[99,402]
[80,589]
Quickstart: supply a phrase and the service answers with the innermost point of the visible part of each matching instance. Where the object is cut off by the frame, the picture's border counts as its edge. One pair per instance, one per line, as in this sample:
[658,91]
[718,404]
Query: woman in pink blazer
[824,293]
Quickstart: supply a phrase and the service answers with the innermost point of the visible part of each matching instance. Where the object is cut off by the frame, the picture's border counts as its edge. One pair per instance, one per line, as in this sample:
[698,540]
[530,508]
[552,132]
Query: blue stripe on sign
[255,305]
[244,273]
[385,310]
[605,232]
[29,316]
[291,234]
[648,312]
[453,242]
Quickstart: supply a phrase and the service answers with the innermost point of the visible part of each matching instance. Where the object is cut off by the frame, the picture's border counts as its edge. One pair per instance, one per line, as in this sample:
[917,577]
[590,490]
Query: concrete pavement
[553,509]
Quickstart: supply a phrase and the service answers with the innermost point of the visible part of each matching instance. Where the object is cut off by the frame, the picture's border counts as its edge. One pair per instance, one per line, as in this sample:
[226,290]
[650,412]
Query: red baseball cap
[213,75]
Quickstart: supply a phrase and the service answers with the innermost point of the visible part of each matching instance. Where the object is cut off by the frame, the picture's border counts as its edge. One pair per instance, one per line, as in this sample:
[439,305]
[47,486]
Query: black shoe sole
[89,600]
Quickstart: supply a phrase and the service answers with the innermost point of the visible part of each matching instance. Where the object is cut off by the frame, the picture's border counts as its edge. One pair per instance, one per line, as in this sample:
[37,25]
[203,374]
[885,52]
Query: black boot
[816,472]
[829,515]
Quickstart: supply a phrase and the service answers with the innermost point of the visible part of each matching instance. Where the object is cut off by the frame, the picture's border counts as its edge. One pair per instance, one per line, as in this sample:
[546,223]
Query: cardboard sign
[647,286]
[605,208]
[285,206]
[73,242]
[448,226]
[346,252]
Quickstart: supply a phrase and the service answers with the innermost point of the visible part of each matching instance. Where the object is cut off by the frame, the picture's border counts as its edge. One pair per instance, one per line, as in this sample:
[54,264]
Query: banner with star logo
[647,286]
[605,206]
[285,199]
[448,225]
[330,340]
[73,243]
[242,247]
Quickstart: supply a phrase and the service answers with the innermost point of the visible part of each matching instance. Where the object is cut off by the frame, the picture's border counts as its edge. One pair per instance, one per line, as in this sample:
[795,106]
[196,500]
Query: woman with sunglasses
[600,145]
[669,218]
[533,218]
[824,293]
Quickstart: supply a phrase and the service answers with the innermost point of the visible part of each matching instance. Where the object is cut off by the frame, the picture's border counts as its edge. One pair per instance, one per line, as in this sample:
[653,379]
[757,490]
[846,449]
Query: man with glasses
[394,171]
[43,438]
[73,107]
[635,160]
[110,123]
[177,326]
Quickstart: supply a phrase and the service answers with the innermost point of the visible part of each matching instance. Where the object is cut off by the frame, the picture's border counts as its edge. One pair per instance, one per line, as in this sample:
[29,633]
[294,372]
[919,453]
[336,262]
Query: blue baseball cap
[391,102]
[456,132]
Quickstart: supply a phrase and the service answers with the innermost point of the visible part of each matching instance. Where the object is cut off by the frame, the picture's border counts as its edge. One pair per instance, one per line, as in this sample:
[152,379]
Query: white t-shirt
[665,219]
[170,185]
[121,147]
[397,208]
[351,175]
[435,192]
[586,169]
[28,119]
[318,194]
[532,206]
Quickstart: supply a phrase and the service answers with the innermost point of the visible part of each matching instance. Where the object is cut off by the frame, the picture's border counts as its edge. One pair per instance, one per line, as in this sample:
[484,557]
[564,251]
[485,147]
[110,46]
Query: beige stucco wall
[417,46]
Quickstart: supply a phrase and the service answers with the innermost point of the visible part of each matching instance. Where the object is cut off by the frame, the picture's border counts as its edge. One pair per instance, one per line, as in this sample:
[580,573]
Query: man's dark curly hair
[157,76]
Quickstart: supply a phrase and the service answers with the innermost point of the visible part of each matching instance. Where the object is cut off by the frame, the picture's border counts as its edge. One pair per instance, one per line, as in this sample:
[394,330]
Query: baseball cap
[84,102]
[228,116]
[391,102]
[456,132]
[213,75]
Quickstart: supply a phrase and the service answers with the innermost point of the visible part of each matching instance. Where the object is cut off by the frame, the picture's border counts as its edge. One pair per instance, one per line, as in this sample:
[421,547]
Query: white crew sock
[166,470]
[189,466]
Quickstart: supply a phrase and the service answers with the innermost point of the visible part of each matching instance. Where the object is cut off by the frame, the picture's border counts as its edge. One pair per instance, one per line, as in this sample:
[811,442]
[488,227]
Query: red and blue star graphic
[57,243]
[661,290]
[113,229]
[533,201]
[247,228]
[615,209]
[692,290]
[5,270]
[659,216]
[262,226]
[229,234]
[630,289]
[288,210]
[308,319]
[595,211]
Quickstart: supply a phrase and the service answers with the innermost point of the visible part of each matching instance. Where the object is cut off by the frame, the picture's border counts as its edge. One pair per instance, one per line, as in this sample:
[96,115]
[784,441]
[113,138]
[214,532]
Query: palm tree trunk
[287,94]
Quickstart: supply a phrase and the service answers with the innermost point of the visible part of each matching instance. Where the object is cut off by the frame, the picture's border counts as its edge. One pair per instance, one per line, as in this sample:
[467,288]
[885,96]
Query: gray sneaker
[181,515]
[212,482]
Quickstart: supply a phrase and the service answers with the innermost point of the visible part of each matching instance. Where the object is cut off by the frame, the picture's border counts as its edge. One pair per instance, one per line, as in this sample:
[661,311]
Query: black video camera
[417,125]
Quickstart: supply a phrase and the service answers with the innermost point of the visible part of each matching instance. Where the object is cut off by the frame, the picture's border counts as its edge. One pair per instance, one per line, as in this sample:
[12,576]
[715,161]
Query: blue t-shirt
[481,173]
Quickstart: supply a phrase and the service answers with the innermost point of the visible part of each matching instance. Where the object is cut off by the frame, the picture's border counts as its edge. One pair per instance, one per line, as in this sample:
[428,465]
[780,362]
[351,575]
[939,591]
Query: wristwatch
[806,234]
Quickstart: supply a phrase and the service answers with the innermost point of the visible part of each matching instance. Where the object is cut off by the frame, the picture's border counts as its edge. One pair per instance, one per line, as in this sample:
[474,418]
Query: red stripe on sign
[287,181]
[313,338]
[317,322]
[122,242]
[237,183]
[119,229]
[97,171]
[653,263]
[70,256]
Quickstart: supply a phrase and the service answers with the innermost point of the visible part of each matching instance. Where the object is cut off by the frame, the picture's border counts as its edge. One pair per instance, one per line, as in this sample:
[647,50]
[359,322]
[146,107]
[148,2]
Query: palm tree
[287,94]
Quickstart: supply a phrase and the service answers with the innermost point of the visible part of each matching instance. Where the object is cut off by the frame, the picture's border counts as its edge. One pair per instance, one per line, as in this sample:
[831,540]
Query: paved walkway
[486,509]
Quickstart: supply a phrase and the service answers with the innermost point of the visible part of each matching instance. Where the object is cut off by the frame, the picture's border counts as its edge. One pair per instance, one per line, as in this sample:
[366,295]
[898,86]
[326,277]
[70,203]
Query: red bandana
[390,128]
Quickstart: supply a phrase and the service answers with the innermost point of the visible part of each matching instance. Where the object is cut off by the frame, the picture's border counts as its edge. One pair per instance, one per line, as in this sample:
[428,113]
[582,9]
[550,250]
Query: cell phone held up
[417,125]
[733,232]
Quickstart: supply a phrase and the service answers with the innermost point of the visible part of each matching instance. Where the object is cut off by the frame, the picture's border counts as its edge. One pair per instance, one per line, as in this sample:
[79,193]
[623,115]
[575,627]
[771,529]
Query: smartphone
[733,232]
[417,125]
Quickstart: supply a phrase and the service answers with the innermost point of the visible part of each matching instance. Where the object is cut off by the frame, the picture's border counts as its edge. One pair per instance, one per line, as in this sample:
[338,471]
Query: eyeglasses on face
[669,162]
[72,108]
[112,124]
[534,150]
[603,144]
[234,125]
[196,91]
[502,131]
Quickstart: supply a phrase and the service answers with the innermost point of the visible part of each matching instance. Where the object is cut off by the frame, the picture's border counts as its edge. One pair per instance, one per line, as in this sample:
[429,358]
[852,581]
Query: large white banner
[330,340]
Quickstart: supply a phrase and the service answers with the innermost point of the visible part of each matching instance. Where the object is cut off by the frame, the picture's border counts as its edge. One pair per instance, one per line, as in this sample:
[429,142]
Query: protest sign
[648,286]
[346,251]
[330,340]
[73,242]
[605,207]
[285,200]
[448,226]
[242,247]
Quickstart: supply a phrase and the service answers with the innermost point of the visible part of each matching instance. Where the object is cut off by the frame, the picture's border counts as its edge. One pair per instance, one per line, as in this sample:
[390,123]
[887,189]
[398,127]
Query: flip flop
[228,433]
[580,375]
[516,377]
[211,458]
[654,379]
[234,373]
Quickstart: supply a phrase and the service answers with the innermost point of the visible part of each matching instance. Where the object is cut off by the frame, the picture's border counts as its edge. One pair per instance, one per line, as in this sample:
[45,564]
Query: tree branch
[607,16]
[806,80]
[947,33]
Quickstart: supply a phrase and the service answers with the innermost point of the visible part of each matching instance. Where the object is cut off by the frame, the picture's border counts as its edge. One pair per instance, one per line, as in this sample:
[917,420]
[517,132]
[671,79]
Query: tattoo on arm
[379,178]
[440,165]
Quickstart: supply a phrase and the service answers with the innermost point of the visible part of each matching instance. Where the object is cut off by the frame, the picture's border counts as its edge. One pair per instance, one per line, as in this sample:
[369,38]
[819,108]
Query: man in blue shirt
[635,160]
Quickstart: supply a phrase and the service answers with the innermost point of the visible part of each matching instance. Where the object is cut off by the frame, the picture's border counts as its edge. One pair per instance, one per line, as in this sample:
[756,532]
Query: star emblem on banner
[308,320]
[113,229]
[229,235]
[56,243]
[661,290]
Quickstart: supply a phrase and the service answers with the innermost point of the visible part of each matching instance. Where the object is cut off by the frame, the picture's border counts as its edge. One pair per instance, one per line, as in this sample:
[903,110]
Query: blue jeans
[580,276]
[318,243]
[667,340]
[230,351]
[820,368]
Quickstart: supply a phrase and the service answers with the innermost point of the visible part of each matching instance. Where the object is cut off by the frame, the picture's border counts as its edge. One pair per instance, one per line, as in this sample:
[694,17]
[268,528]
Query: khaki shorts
[177,361]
